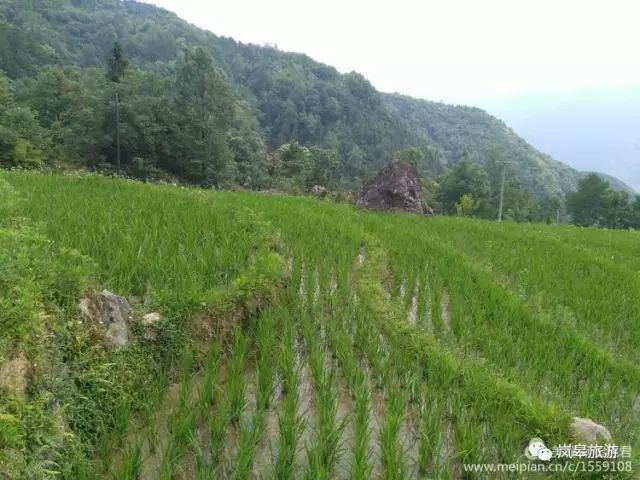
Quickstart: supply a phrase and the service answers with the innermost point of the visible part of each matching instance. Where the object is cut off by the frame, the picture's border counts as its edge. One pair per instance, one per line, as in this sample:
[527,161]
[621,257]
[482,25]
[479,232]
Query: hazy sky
[454,50]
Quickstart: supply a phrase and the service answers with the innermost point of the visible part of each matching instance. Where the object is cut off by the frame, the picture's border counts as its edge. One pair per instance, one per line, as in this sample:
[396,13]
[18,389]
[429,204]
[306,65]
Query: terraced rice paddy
[319,341]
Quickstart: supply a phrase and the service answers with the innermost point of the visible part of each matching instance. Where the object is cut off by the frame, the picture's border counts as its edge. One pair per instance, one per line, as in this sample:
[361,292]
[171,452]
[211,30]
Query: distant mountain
[458,129]
[592,130]
[289,96]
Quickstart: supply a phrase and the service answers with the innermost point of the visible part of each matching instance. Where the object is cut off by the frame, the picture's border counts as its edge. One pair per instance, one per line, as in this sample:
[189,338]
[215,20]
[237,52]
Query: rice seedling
[323,453]
[249,435]
[265,366]
[181,438]
[430,431]
[129,468]
[287,364]
[339,339]
[236,385]
[468,432]
[327,445]
[205,468]
[186,383]
[361,465]
[211,383]
[291,425]
[291,421]
[217,424]
[391,451]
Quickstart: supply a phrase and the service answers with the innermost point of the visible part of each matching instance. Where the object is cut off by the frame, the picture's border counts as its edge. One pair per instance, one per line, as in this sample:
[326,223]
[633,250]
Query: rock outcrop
[149,323]
[589,432]
[151,318]
[396,187]
[113,312]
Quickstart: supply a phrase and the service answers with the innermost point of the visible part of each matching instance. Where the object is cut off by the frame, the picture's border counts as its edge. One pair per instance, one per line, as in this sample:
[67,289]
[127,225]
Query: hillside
[456,129]
[287,337]
[279,96]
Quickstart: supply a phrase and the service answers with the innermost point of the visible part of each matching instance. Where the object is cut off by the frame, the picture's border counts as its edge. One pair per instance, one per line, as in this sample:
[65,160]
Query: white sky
[453,50]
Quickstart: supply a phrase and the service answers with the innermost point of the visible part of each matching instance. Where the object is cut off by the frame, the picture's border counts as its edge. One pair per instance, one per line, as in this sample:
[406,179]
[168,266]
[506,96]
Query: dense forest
[124,86]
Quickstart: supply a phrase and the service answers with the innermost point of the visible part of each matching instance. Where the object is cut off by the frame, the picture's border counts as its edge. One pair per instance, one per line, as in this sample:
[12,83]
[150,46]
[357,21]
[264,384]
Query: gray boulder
[589,432]
[149,321]
[113,312]
[396,187]
[151,318]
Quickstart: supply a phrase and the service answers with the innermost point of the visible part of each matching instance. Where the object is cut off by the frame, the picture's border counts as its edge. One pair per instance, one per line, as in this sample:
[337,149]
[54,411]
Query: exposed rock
[85,306]
[397,187]
[149,321]
[14,374]
[319,191]
[151,318]
[110,310]
[589,432]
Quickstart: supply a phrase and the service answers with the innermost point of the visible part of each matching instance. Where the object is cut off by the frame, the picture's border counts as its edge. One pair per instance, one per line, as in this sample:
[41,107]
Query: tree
[412,155]
[589,204]
[324,167]
[21,135]
[145,125]
[247,148]
[635,213]
[203,109]
[6,93]
[289,166]
[466,205]
[117,64]
[619,210]
[519,205]
[75,106]
[550,209]
[115,73]
[466,178]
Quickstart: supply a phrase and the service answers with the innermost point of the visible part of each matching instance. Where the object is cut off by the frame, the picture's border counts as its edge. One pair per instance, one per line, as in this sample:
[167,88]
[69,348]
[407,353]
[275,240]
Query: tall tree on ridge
[203,108]
[117,67]
[117,63]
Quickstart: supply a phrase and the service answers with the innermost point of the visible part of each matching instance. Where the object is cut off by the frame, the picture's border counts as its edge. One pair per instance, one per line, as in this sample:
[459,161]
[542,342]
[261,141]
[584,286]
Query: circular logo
[537,450]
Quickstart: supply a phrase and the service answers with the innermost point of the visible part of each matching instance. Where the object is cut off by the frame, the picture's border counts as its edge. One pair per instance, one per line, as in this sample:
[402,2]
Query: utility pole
[117,130]
[501,194]
[115,73]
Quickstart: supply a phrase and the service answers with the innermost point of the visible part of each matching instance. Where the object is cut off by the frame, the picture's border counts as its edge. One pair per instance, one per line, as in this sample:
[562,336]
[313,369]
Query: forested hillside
[262,98]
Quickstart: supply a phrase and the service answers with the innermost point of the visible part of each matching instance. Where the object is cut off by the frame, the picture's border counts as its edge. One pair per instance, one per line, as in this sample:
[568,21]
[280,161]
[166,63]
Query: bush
[34,277]
[16,152]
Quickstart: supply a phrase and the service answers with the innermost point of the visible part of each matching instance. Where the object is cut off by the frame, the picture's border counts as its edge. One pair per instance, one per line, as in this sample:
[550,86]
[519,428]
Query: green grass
[172,244]
[475,335]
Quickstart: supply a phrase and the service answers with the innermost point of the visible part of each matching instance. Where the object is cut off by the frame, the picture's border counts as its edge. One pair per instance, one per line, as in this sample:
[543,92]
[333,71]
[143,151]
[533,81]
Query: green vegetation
[285,337]
[595,203]
[301,338]
[128,87]
[80,394]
